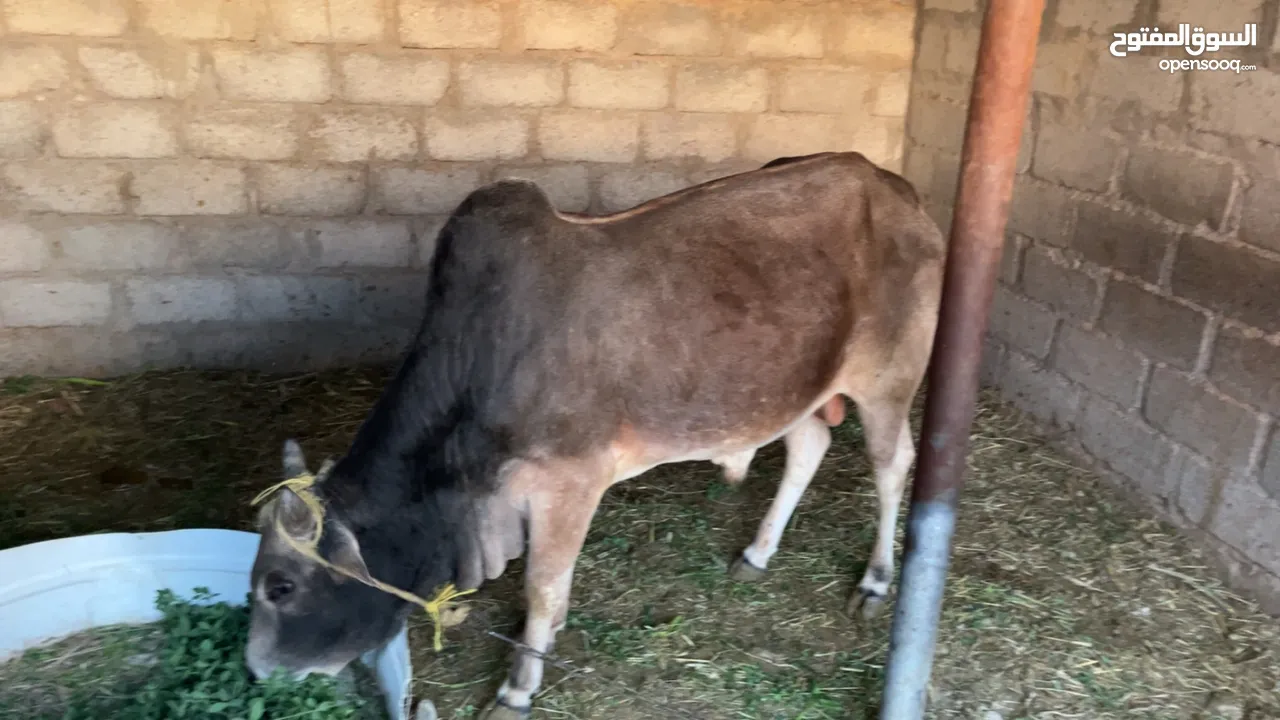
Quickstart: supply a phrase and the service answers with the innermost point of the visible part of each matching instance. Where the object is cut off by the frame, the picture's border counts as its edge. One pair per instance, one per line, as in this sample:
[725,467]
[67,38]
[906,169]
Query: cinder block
[1121,240]
[774,136]
[1180,186]
[397,299]
[1061,67]
[362,242]
[246,133]
[165,71]
[259,243]
[1127,445]
[298,75]
[1260,218]
[155,300]
[68,351]
[23,248]
[681,135]
[1021,323]
[1172,12]
[189,188]
[892,91]
[1050,279]
[1233,280]
[825,90]
[122,245]
[365,135]
[316,21]
[398,80]
[566,185]
[200,19]
[636,85]
[273,298]
[1236,103]
[51,303]
[30,68]
[626,188]
[1098,363]
[450,23]
[66,186]
[705,87]
[103,130]
[955,6]
[881,140]
[569,24]
[1249,520]
[933,46]
[670,28]
[465,136]
[528,83]
[1157,91]
[292,190]
[22,129]
[1220,430]
[962,49]
[410,191]
[1039,392]
[589,136]
[90,18]
[1097,18]
[1076,158]
[880,35]
[1160,328]
[1041,211]
[936,124]
[1247,368]
[762,31]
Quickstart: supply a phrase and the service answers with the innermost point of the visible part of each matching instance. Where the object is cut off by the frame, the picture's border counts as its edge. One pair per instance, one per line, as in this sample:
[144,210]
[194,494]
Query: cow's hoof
[426,711]
[498,710]
[866,604]
[743,571]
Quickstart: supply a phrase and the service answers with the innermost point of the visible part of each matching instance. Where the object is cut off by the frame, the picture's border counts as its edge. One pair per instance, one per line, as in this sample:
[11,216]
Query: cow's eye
[278,587]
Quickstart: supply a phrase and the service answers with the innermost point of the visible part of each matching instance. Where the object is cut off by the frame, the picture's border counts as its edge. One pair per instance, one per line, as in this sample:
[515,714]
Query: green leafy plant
[199,672]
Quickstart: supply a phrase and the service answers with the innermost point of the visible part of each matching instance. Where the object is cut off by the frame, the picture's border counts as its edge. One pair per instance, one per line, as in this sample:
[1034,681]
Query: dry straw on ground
[1064,602]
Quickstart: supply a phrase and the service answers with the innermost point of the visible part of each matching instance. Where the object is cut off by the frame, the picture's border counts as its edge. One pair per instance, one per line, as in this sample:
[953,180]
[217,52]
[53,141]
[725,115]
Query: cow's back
[697,312]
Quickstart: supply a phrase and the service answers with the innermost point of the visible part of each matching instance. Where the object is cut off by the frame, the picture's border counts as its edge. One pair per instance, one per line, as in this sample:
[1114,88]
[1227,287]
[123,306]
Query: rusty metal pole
[997,108]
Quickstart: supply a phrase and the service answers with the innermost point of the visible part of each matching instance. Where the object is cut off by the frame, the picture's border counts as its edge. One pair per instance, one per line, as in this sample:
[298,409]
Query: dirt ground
[1063,601]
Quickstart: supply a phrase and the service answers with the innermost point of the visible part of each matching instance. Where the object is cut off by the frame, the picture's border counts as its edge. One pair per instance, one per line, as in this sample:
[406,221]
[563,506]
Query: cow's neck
[416,468]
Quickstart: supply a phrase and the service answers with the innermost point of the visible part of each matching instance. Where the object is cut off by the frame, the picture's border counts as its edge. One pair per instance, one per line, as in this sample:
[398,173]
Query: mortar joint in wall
[1201,368]
[1144,381]
[1259,450]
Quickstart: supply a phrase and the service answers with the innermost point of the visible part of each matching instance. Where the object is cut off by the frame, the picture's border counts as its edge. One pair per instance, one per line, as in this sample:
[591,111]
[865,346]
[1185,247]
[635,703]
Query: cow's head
[306,617]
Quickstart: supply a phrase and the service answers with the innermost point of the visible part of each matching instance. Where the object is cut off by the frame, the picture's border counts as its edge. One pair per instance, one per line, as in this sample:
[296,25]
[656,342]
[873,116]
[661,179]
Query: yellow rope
[301,486]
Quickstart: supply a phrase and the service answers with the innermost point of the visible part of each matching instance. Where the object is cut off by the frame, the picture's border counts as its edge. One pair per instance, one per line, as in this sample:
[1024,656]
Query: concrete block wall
[258,183]
[1138,310]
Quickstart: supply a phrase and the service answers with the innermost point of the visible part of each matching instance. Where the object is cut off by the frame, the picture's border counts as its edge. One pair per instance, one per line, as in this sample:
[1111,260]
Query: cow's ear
[346,553]
[294,462]
[294,515]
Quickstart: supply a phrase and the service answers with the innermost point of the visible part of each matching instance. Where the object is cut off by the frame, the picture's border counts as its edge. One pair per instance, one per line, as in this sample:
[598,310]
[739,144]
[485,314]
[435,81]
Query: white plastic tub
[60,587]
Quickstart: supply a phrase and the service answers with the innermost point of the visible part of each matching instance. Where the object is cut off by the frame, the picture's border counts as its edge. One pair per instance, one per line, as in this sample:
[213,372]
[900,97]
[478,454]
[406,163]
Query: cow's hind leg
[807,443]
[892,451]
[558,524]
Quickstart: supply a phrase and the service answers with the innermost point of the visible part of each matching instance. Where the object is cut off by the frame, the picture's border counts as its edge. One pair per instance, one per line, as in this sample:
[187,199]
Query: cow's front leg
[558,523]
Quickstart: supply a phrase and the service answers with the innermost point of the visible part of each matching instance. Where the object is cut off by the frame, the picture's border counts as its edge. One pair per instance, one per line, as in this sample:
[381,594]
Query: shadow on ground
[1063,601]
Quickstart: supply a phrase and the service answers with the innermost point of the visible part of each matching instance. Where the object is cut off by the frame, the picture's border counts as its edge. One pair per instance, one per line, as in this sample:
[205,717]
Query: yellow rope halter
[301,486]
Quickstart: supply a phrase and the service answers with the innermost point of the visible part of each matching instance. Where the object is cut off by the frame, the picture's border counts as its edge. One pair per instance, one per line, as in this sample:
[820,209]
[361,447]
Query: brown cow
[560,354]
